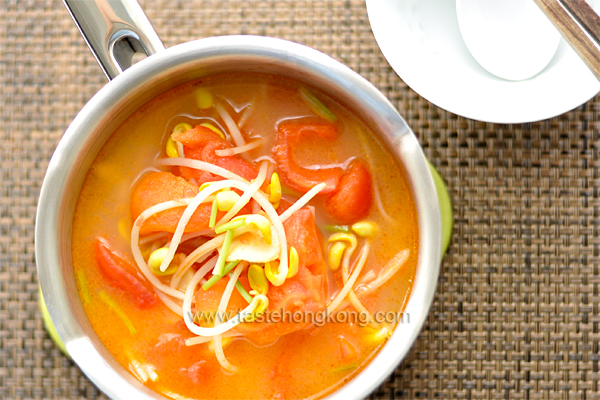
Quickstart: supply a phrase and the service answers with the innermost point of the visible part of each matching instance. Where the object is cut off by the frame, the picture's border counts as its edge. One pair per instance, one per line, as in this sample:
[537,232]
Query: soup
[244,237]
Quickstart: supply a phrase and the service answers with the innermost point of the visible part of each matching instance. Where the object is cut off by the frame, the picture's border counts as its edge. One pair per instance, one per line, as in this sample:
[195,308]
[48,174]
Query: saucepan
[115,30]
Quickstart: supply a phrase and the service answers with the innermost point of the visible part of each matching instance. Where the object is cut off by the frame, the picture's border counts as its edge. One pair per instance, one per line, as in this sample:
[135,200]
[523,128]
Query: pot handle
[115,30]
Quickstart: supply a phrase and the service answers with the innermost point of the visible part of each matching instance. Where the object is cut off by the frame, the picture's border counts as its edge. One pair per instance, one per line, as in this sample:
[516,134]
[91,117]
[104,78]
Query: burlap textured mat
[517,309]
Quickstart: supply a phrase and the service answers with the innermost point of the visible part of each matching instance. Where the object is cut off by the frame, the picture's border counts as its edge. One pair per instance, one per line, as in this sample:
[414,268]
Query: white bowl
[422,42]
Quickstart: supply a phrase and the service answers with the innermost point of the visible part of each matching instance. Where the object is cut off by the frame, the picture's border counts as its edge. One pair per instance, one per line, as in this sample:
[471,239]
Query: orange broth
[310,362]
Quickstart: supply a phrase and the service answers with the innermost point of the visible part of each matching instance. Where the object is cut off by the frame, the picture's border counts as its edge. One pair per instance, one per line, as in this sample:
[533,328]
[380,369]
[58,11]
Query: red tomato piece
[117,271]
[302,233]
[207,301]
[200,143]
[304,293]
[197,137]
[296,177]
[283,205]
[194,141]
[158,187]
[234,163]
[352,199]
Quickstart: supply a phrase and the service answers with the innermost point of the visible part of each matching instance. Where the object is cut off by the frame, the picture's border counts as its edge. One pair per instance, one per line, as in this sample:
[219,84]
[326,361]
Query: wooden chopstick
[579,25]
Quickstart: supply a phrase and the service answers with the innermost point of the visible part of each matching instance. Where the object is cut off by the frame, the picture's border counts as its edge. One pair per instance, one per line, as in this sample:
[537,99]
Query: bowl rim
[64,310]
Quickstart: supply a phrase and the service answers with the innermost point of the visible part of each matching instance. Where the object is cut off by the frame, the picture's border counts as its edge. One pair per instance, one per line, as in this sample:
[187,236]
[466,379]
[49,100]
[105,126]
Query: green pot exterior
[445,208]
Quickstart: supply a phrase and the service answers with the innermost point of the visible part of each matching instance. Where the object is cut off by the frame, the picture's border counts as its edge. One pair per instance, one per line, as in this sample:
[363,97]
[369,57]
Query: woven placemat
[516,314]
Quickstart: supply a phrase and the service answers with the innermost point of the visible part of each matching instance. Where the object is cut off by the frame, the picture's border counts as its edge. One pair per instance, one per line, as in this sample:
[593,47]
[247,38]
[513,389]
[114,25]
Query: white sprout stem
[171,304]
[302,201]
[176,279]
[199,275]
[377,192]
[205,269]
[352,295]
[379,203]
[362,288]
[152,238]
[278,225]
[367,278]
[184,267]
[238,150]
[387,272]
[238,139]
[360,307]
[187,215]
[206,167]
[180,150]
[346,261]
[204,339]
[271,169]
[360,262]
[260,198]
[198,253]
[220,314]
[218,340]
[217,329]
[247,195]
[202,252]
[135,248]
[202,166]
[228,292]
[247,111]
[244,116]
[271,161]
[193,235]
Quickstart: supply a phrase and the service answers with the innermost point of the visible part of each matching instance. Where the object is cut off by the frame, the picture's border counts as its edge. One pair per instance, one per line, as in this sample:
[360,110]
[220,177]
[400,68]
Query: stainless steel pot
[114,30]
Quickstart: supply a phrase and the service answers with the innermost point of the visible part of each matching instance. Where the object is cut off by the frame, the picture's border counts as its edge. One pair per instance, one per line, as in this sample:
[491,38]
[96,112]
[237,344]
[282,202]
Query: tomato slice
[305,293]
[197,137]
[299,178]
[117,271]
[207,301]
[158,187]
[302,233]
[234,163]
[352,199]
[283,206]
[200,143]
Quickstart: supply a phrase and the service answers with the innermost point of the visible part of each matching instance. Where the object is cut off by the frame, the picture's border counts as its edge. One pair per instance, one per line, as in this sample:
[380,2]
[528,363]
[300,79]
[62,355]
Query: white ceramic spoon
[511,39]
